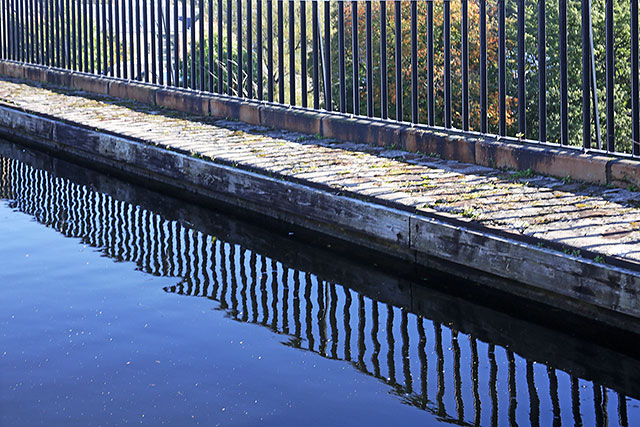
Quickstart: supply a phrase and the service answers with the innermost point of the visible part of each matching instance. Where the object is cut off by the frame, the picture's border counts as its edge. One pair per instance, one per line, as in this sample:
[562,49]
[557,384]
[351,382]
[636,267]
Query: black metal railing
[519,69]
[429,364]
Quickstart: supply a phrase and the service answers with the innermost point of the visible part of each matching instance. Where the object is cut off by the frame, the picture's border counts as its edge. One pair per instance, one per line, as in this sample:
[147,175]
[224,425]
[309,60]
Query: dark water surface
[122,306]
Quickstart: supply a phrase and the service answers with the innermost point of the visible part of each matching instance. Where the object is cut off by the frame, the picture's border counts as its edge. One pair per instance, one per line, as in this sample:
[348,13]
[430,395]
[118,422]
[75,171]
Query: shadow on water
[464,362]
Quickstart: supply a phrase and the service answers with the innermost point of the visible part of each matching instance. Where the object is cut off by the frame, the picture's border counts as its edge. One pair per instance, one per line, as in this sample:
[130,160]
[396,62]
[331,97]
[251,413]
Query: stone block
[191,103]
[126,89]
[293,119]
[448,146]
[625,173]
[90,83]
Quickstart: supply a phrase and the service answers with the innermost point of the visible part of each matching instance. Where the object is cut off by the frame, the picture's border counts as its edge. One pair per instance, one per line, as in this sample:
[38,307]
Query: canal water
[122,306]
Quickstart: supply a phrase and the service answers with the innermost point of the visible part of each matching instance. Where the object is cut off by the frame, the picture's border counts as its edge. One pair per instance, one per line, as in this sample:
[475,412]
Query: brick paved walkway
[588,217]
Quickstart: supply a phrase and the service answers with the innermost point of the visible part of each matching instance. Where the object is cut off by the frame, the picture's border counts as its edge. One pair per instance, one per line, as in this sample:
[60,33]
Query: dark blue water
[122,306]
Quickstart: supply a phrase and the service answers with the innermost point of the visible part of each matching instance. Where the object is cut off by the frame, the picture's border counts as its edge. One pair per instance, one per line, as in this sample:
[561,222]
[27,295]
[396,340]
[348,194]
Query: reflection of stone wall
[435,352]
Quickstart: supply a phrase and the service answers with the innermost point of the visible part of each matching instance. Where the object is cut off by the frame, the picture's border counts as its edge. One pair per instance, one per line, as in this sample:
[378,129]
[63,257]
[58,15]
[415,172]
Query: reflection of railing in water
[429,365]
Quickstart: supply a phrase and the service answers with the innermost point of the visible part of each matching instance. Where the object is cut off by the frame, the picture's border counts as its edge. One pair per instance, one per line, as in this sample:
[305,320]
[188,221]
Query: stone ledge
[448,145]
[402,234]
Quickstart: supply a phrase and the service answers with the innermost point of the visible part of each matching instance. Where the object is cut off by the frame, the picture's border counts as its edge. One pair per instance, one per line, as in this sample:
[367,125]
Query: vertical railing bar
[249,49]
[355,71]
[430,66]
[99,29]
[464,51]
[111,38]
[414,61]
[502,80]
[37,10]
[152,28]
[67,19]
[447,63]
[91,44]
[635,83]
[586,67]
[369,53]
[139,40]
[270,49]
[185,58]
[33,32]
[211,70]
[7,10]
[38,35]
[87,35]
[292,54]
[522,103]
[11,28]
[160,20]
[61,36]
[3,21]
[341,53]
[483,66]
[259,48]
[132,62]
[398,57]
[105,39]
[27,30]
[17,29]
[303,52]
[28,13]
[13,34]
[124,39]
[194,51]
[26,24]
[176,44]
[384,91]
[17,24]
[280,52]
[593,82]
[44,33]
[610,71]
[564,97]
[201,64]
[316,58]
[542,72]
[24,11]
[36,30]
[327,56]
[21,23]
[239,47]
[220,59]
[116,6]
